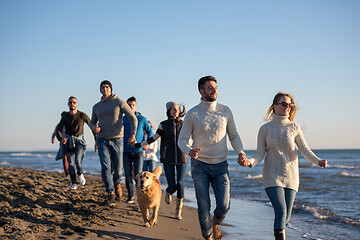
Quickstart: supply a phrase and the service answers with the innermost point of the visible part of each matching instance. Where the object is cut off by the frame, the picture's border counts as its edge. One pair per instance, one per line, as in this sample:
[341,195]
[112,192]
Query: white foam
[315,212]
[27,154]
[260,176]
[352,175]
[344,167]
[23,154]
[306,236]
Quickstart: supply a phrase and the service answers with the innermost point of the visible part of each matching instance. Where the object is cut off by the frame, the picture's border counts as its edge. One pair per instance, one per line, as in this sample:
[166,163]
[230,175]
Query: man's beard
[210,98]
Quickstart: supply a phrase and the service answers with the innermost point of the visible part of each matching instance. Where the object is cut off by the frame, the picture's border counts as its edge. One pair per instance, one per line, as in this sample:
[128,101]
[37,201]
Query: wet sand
[40,205]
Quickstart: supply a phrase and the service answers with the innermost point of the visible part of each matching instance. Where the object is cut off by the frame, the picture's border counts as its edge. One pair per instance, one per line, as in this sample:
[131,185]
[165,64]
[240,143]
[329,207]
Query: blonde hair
[270,112]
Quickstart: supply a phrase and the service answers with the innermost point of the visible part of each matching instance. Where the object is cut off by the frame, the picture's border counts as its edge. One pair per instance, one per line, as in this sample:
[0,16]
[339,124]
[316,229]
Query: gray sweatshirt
[109,115]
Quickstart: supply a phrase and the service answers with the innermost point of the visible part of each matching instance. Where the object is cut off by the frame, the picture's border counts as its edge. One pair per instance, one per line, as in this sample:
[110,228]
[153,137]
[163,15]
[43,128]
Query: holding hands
[243,160]
[323,163]
[64,141]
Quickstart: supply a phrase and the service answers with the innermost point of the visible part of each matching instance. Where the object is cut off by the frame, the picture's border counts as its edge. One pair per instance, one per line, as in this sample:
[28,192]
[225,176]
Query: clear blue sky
[157,50]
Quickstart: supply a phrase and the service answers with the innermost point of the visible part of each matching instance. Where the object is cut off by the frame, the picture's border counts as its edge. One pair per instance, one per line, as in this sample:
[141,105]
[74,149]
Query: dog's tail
[157,172]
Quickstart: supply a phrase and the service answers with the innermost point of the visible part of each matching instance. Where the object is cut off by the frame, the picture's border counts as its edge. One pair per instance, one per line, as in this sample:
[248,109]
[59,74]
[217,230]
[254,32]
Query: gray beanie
[169,105]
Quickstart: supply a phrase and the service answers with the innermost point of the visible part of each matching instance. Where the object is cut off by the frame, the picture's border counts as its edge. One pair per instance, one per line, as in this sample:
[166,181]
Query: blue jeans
[282,200]
[175,185]
[110,154]
[131,158]
[75,157]
[149,165]
[217,175]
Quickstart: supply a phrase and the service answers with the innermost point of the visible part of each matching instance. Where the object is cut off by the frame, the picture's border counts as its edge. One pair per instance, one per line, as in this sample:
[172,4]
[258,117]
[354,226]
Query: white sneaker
[74,186]
[82,179]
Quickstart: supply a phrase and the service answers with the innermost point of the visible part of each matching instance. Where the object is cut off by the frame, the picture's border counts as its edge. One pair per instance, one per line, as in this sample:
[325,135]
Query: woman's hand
[323,163]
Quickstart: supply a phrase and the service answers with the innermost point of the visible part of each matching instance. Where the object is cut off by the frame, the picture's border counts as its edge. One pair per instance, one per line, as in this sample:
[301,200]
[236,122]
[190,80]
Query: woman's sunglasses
[285,104]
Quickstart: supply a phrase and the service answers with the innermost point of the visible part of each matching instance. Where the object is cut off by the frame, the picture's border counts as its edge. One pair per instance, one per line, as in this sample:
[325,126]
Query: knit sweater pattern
[208,125]
[278,140]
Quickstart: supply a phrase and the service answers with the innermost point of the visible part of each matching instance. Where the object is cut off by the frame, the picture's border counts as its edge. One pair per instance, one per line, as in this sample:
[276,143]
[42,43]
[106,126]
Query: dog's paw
[147,224]
[153,222]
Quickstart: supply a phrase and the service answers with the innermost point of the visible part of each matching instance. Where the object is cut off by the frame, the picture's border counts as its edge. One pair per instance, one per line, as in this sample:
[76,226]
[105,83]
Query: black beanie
[106,82]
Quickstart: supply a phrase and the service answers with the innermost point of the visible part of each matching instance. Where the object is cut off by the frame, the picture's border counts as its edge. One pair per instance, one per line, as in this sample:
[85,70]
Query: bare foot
[216,231]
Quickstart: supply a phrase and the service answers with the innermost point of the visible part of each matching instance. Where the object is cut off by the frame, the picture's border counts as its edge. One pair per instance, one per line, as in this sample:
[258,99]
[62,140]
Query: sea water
[327,205]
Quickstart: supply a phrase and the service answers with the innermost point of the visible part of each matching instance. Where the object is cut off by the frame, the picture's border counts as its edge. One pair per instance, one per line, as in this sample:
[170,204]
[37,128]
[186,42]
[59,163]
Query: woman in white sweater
[278,139]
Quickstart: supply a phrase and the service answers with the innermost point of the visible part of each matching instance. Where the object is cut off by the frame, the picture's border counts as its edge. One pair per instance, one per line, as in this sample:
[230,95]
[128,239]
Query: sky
[157,50]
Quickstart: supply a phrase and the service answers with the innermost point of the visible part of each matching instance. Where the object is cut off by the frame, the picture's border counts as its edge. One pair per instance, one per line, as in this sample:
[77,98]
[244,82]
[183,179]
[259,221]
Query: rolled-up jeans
[282,200]
[129,159]
[74,157]
[110,154]
[217,175]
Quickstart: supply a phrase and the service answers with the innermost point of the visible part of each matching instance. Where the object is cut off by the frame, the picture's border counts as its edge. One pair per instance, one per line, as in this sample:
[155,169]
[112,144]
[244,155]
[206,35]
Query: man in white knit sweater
[208,124]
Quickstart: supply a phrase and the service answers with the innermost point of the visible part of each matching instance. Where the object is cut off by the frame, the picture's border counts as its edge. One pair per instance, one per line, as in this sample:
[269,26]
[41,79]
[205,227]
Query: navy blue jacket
[170,153]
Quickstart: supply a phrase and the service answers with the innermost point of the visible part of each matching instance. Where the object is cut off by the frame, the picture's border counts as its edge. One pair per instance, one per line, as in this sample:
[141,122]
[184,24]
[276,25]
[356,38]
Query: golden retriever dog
[148,192]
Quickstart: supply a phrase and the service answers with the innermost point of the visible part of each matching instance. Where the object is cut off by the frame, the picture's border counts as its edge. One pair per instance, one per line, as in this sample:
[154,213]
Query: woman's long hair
[270,112]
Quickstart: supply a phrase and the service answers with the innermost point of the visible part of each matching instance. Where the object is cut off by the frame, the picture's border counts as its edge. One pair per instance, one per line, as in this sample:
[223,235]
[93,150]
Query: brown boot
[179,206]
[280,234]
[118,191]
[168,198]
[110,201]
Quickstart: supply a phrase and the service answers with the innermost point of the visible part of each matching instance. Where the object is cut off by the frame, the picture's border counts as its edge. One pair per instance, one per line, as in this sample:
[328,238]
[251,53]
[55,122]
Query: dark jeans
[129,159]
[175,184]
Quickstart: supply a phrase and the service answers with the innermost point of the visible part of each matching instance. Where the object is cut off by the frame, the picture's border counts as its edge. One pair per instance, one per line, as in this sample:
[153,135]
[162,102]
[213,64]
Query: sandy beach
[37,204]
[40,205]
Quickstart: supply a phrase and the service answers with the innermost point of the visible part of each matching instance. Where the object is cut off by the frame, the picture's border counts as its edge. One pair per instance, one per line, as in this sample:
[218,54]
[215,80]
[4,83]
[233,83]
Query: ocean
[327,205]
